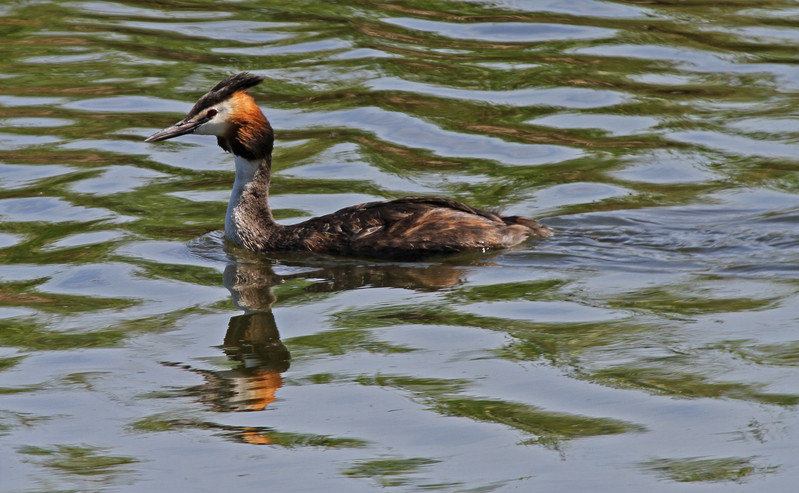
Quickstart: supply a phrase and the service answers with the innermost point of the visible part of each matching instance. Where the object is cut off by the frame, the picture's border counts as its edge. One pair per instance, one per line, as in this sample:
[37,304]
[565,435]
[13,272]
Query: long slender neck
[249,220]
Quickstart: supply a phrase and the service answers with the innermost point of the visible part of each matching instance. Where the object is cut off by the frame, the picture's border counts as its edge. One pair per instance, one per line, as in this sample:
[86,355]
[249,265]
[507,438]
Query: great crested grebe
[407,228]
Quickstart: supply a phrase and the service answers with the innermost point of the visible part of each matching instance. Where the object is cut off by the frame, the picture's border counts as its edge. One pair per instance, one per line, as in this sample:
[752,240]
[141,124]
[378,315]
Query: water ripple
[588,8]
[51,210]
[232,30]
[569,97]
[121,10]
[404,130]
[308,47]
[511,32]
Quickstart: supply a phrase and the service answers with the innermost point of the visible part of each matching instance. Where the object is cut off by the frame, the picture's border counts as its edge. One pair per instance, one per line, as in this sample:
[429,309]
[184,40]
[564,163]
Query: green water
[649,346]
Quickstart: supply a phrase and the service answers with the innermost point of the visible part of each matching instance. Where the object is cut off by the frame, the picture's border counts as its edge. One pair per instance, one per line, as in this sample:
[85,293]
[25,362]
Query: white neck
[245,173]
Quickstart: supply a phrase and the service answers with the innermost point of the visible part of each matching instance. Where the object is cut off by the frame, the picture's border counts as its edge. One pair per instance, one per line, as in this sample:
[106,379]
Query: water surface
[650,345]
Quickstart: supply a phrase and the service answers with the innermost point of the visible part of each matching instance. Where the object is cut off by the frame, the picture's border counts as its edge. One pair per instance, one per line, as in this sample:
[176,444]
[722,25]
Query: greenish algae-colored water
[651,345]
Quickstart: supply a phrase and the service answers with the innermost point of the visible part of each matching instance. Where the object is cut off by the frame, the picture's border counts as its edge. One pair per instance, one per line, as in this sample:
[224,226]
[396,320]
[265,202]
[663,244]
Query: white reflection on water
[514,32]
[568,97]
[405,130]
[240,31]
[52,210]
[612,124]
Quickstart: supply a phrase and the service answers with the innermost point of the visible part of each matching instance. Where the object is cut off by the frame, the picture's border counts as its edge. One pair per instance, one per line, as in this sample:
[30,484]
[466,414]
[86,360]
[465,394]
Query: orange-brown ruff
[407,228]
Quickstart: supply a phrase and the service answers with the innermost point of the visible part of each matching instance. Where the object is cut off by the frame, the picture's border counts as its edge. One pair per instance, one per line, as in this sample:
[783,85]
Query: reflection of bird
[253,340]
[407,228]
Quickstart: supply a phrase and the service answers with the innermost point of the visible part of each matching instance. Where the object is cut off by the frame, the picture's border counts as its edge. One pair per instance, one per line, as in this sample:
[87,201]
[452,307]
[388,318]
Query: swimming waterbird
[408,228]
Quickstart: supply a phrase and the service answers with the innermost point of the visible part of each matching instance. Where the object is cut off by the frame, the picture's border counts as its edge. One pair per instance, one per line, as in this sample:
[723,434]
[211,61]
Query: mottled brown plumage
[407,228]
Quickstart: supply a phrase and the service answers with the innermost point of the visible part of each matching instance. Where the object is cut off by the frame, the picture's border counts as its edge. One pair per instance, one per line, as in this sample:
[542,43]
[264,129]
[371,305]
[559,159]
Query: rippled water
[651,343]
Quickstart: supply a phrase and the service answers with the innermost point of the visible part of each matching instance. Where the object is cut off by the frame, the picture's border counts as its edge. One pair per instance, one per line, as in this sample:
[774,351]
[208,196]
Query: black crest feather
[222,91]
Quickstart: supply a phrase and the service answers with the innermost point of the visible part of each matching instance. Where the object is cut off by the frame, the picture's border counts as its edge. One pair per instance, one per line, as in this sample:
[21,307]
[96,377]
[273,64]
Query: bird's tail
[536,228]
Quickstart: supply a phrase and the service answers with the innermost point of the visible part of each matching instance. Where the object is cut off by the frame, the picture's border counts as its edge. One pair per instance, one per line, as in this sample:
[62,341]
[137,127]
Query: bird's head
[230,114]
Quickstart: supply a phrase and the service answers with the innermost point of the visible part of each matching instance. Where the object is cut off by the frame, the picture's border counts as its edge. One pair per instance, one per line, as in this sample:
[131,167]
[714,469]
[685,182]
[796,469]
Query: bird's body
[407,228]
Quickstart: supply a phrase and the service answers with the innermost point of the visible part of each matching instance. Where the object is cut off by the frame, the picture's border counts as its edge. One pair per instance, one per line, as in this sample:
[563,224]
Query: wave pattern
[654,334]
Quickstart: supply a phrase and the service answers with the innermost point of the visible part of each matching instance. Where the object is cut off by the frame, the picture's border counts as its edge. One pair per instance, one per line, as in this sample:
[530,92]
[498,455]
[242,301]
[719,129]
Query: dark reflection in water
[253,342]
[252,339]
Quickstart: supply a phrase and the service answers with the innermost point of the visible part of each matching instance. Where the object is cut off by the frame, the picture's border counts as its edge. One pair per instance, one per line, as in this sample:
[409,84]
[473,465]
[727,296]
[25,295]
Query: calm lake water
[651,345]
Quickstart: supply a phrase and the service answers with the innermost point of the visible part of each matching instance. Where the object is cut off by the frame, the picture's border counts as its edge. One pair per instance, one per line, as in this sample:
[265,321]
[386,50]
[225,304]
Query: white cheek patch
[213,127]
[218,125]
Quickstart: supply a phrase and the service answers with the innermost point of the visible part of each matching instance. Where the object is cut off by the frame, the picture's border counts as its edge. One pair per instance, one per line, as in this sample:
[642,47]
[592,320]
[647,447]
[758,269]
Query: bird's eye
[211,113]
